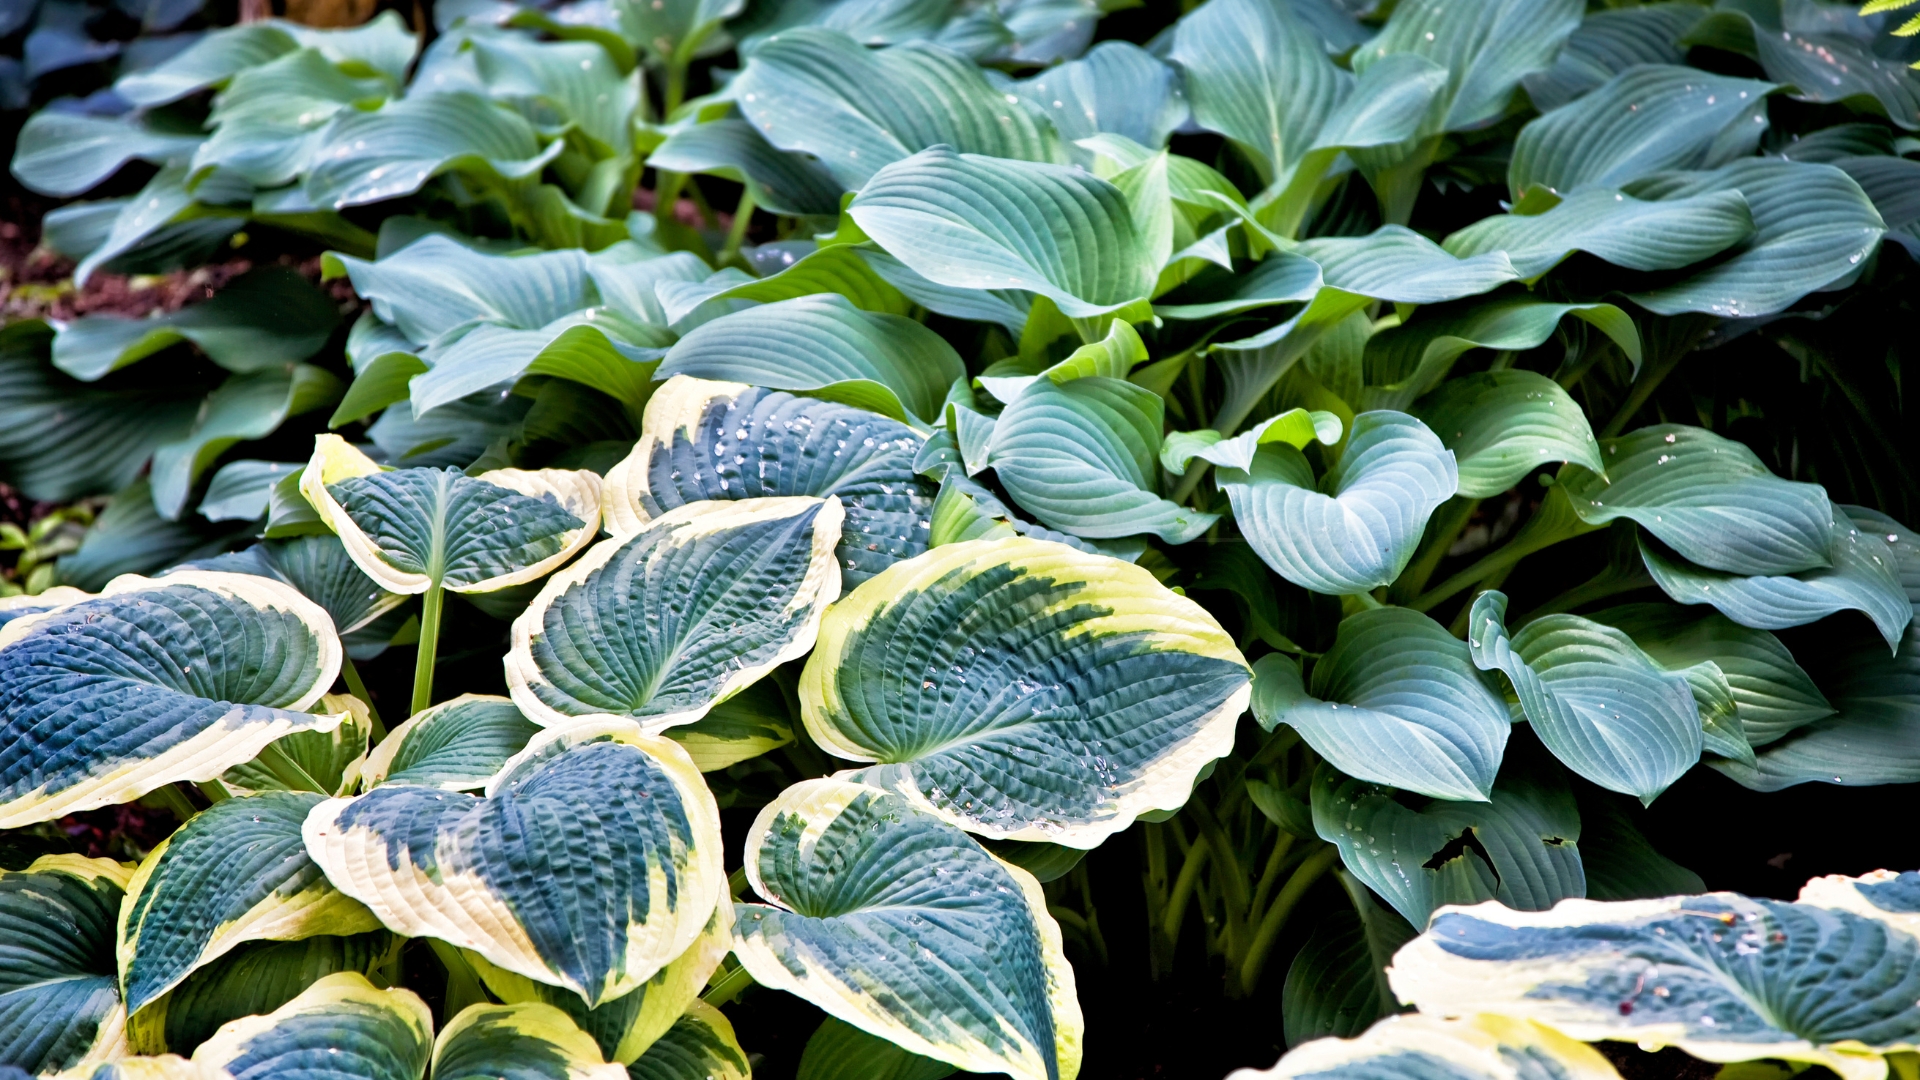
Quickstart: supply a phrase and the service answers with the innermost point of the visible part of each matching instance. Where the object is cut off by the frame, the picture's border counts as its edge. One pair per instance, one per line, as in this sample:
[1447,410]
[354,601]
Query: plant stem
[463,983]
[1190,480]
[1183,887]
[429,642]
[1281,845]
[676,87]
[288,771]
[1227,874]
[1275,919]
[172,798]
[1553,522]
[359,689]
[728,988]
[214,790]
[742,214]
[1651,376]
[1443,530]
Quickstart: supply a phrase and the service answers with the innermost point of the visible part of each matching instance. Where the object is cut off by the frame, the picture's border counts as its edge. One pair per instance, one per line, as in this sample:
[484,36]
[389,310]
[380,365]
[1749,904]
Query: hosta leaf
[529,1041]
[1502,425]
[1773,694]
[974,222]
[1863,577]
[65,154]
[1116,88]
[1812,227]
[167,1067]
[1706,496]
[991,681]
[1487,48]
[820,92]
[1260,77]
[699,1046]
[1396,701]
[562,82]
[1645,120]
[1420,1047]
[1825,67]
[236,872]
[262,320]
[839,1051]
[627,1026]
[1360,531]
[242,489]
[435,284]
[676,30]
[780,445]
[903,926]
[269,120]
[1892,898]
[1521,847]
[169,222]
[1295,427]
[394,150]
[1280,278]
[412,530]
[661,625]
[59,1003]
[1330,988]
[1398,264]
[742,727]
[1620,862]
[340,1028]
[841,268]
[592,347]
[825,347]
[1742,978]
[1405,362]
[1082,455]
[784,183]
[457,745]
[1618,228]
[1607,43]
[1605,709]
[327,762]
[593,861]
[320,567]
[381,46]
[245,407]
[153,682]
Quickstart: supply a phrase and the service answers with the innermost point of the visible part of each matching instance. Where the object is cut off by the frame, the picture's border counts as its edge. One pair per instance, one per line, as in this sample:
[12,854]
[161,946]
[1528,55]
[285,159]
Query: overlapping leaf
[340,1028]
[59,1002]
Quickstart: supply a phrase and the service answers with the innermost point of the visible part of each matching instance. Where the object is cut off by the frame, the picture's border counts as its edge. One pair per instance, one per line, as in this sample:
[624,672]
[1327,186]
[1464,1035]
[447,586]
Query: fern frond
[1875,7]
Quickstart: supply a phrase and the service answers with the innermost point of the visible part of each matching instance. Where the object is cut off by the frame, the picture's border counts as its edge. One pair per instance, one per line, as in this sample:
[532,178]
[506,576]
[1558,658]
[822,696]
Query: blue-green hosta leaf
[411,530]
[1420,1047]
[166,210]
[394,150]
[1260,77]
[780,445]
[975,222]
[825,347]
[1708,497]
[1812,227]
[1398,264]
[1116,88]
[1295,427]
[457,745]
[1337,982]
[1722,976]
[1407,361]
[676,31]
[626,1027]
[841,268]
[1280,278]
[269,121]
[1822,67]
[263,320]
[1487,48]
[320,567]
[245,407]
[1024,690]
[382,46]
[742,727]
[1892,898]
[560,83]
[1774,696]
[1618,228]
[1605,709]
[241,490]
[1396,701]
[153,682]
[593,861]
[783,182]
[327,762]
[1356,529]
[1645,120]
[1521,847]
[1863,577]
[59,999]
[1502,425]
[661,625]
[1609,42]
[905,927]
[839,1051]
[236,872]
[819,92]
[66,154]
[340,1028]
[435,285]
[593,347]
[528,1041]
[1083,456]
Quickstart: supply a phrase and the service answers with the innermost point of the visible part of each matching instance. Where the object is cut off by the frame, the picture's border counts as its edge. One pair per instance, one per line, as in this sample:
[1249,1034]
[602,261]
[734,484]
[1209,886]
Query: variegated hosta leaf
[699,1046]
[412,530]
[746,725]
[457,745]
[320,567]
[327,762]
[1706,496]
[1417,1047]
[340,1028]
[154,681]
[1722,976]
[662,625]
[1025,690]
[625,1027]
[166,1067]
[592,862]
[905,927]
[235,872]
[59,1003]
[1396,701]
[1521,847]
[1356,529]
[1597,701]
[529,1041]
[1502,425]
[714,440]
[1892,898]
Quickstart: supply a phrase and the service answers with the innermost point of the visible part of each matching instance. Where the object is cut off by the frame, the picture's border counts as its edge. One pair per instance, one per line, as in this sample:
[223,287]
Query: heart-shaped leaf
[1823,67]
[270,120]
[1024,690]
[457,745]
[412,530]
[394,150]
[245,407]
[525,1040]
[784,183]
[1117,88]
[1396,701]
[1605,709]
[592,862]
[152,682]
[1722,976]
[699,1046]
[1356,529]
[863,887]
[1421,1047]
[1878,894]
[781,445]
[1623,230]
[1502,425]
[261,321]
[1486,46]
[340,1028]
[59,1002]
[662,625]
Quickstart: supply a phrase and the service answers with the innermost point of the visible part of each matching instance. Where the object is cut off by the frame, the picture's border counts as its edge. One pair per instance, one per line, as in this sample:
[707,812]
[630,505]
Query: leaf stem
[288,771]
[1183,887]
[742,214]
[359,689]
[728,988]
[1310,871]
[172,798]
[1442,531]
[1651,376]
[429,643]
[214,790]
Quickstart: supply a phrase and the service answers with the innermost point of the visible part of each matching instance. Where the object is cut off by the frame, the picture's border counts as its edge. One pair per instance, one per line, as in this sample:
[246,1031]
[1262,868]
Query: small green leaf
[1502,425]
